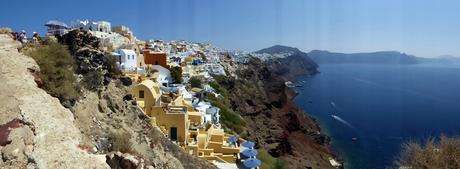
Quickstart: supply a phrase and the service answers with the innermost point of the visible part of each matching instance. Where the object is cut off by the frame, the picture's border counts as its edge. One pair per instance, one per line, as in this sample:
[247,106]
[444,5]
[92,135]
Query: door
[173,133]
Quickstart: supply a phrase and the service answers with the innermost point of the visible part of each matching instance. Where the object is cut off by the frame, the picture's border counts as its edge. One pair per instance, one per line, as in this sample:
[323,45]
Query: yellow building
[174,117]
[181,123]
[211,144]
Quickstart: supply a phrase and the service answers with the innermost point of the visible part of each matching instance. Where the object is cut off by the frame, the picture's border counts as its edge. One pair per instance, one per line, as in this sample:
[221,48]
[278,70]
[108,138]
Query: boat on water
[289,84]
[333,104]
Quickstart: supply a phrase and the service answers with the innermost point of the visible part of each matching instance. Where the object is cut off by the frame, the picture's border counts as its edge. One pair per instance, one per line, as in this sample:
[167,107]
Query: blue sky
[425,28]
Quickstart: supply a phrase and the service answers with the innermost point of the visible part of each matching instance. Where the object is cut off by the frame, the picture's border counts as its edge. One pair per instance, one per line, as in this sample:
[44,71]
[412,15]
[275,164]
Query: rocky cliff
[259,95]
[36,130]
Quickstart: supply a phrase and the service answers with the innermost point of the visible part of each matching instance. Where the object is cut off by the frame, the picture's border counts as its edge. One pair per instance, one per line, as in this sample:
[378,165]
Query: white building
[103,31]
[210,113]
[215,69]
[163,76]
[185,94]
[127,59]
[100,26]
[56,28]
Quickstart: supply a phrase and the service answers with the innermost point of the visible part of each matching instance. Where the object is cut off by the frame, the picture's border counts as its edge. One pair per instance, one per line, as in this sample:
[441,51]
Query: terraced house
[181,123]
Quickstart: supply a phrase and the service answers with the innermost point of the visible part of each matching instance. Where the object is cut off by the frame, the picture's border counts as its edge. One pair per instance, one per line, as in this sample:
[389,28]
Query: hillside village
[182,115]
[175,85]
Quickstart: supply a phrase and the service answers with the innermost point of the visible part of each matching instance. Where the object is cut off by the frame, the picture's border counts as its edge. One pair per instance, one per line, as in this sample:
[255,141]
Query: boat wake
[342,121]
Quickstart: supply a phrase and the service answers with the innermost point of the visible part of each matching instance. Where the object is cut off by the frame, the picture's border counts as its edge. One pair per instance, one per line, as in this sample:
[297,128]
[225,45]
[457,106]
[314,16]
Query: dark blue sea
[382,106]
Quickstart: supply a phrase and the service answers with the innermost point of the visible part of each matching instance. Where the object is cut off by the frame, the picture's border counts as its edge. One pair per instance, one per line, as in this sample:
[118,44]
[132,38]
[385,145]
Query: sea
[381,106]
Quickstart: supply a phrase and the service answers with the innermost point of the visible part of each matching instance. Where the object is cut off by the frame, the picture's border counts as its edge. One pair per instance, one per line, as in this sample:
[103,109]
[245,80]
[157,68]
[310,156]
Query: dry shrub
[93,80]
[433,154]
[121,141]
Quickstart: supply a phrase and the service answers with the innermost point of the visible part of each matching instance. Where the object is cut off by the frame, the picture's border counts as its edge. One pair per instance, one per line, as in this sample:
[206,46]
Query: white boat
[289,84]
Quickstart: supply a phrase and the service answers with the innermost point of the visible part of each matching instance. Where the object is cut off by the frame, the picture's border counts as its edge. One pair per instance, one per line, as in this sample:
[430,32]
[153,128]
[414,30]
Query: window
[141,94]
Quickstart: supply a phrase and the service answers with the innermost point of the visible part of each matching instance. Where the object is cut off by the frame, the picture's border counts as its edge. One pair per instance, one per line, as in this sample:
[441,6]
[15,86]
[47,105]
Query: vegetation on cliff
[56,70]
[230,120]
[442,153]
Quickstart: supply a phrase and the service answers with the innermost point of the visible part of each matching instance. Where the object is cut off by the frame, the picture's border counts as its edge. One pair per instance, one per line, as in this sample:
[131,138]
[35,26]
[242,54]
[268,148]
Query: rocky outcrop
[6,42]
[120,160]
[41,132]
[127,81]
[92,62]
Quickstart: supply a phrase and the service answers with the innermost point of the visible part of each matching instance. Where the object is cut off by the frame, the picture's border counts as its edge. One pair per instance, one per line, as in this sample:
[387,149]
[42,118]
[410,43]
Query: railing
[176,110]
[221,160]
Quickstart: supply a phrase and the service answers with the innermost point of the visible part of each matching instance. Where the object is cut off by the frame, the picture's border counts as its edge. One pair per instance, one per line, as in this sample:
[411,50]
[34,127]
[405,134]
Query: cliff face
[273,121]
[36,129]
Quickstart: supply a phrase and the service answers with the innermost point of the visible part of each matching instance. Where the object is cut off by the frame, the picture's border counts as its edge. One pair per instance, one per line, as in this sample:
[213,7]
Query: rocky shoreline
[260,96]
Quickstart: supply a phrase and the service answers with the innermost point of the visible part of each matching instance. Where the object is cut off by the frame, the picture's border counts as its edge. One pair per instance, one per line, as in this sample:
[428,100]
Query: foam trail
[342,121]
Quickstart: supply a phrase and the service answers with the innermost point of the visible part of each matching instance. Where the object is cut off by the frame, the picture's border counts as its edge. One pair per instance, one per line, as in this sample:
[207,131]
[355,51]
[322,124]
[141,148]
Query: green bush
[228,118]
[269,162]
[176,74]
[444,153]
[216,86]
[56,70]
[195,82]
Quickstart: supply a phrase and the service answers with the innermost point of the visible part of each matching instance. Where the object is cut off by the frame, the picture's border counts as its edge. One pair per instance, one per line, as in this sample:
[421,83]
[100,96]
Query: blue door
[173,133]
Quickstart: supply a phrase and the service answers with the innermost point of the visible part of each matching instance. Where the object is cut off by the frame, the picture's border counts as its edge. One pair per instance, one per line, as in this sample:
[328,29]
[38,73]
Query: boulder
[127,81]
[107,79]
[124,161]
[128,97]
